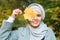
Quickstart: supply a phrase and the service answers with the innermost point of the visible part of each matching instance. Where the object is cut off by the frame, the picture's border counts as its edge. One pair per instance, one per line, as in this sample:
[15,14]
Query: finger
[19,11]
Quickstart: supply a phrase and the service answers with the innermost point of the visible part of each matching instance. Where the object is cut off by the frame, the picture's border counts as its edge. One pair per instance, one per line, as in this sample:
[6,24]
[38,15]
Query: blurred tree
[52,9]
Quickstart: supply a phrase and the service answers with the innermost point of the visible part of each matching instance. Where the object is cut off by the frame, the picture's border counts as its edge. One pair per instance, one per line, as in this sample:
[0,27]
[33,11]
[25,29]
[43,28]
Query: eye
[38,15]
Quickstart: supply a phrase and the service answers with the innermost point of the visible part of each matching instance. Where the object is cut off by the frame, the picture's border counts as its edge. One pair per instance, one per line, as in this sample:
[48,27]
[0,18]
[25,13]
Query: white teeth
[34,22]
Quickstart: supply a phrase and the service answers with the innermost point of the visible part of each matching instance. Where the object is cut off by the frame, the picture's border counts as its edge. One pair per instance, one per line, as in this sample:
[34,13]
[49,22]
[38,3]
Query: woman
[35,30]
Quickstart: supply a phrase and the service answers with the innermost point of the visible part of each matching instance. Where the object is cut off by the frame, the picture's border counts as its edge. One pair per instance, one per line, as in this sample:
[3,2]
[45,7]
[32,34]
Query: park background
[51,7]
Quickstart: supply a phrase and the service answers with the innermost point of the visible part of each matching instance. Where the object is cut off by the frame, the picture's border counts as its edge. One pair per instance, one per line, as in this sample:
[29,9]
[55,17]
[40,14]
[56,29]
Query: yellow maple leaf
[29,13]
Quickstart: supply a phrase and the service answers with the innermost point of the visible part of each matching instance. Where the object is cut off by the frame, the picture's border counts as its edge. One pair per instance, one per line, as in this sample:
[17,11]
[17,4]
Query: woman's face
[35,22]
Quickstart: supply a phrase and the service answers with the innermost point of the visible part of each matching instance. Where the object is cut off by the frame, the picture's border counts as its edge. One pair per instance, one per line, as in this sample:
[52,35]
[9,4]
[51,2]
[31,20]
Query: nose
[35,17]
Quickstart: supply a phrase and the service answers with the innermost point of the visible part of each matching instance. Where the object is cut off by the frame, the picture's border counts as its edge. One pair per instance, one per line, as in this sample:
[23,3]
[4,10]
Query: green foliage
[52,9]
[53,19]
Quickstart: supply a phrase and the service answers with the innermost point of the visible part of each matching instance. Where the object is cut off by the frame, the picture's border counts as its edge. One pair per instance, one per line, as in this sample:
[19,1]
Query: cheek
[39,18]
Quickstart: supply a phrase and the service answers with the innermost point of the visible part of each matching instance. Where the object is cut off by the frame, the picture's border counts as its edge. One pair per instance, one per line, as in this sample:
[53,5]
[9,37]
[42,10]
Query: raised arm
[6,32]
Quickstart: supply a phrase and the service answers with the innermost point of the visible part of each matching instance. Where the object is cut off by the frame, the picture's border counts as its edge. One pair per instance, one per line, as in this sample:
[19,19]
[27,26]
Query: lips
[35,22]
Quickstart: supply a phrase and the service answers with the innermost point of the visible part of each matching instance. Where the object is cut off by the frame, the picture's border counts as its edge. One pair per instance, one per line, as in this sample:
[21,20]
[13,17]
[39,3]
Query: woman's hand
[16,12]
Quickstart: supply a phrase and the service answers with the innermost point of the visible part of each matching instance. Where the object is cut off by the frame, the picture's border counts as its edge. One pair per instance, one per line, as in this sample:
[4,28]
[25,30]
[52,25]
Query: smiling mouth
[35,22]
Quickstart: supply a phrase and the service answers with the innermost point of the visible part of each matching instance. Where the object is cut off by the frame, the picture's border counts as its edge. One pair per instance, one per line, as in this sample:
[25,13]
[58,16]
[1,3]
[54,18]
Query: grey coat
[6,33]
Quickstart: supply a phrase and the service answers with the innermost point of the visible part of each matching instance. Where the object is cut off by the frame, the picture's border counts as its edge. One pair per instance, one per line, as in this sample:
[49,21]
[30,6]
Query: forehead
[37,12]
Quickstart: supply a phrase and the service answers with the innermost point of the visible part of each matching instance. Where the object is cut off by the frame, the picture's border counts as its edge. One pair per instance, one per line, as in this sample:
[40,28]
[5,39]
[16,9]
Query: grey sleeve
[50,35]
[6,31]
